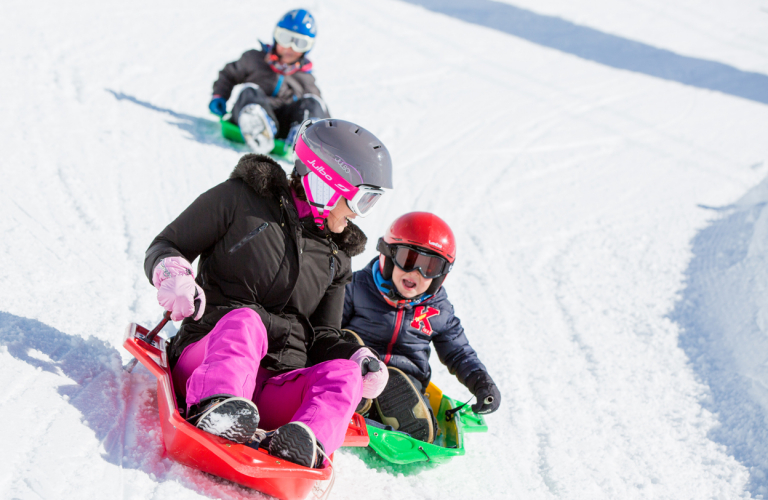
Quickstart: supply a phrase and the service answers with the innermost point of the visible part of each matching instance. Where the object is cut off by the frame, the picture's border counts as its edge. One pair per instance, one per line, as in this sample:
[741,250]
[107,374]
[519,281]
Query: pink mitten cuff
[373,382]
[170,267]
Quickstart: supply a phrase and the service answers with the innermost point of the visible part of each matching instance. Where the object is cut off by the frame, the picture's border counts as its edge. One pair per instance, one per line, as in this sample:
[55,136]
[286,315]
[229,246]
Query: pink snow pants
[226,361]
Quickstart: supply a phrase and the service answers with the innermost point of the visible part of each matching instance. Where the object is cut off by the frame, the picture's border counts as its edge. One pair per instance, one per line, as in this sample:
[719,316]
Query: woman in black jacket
[274,261]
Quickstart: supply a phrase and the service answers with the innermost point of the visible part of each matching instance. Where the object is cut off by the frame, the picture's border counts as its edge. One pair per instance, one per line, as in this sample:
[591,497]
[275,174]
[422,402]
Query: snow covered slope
[612,237]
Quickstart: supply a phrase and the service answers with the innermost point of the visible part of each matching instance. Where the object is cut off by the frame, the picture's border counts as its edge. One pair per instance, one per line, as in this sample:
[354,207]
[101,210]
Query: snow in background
[611,238]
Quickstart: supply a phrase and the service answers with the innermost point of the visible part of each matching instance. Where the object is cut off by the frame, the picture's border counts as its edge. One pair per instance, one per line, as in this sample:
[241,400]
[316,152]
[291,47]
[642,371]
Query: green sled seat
[399,448]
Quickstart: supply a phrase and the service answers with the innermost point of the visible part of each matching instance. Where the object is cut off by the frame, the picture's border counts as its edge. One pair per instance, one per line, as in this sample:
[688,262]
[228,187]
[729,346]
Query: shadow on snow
[202,130]
[723,314]
[610,50]
[120,408]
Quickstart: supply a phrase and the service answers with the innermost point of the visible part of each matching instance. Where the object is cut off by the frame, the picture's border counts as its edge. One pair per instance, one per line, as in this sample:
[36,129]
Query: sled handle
[151,335]
[369,365]
[148,339]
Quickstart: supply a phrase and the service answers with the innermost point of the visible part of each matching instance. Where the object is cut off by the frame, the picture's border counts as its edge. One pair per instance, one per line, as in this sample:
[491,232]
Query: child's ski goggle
[360,199]
[288,38]
[409,258]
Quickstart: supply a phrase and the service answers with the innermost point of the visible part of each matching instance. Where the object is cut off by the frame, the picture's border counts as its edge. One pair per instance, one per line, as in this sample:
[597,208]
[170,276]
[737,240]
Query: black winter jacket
[252,67]
[256,253]
[402,335]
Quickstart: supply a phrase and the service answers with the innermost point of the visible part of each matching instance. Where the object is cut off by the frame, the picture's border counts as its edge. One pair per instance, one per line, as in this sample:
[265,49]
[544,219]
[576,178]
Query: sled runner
[399,448]
[232,132]
[241,464]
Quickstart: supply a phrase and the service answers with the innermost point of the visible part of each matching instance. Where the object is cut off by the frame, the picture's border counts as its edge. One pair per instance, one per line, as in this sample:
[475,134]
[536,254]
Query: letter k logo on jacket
[421,317]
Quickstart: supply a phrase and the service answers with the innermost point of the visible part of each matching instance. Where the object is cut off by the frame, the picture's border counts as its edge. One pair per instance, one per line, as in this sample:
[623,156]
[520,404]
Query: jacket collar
[267,178]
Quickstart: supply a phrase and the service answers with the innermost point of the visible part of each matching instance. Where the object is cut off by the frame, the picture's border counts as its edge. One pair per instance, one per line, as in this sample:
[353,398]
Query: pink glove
[373,382]
[176,288]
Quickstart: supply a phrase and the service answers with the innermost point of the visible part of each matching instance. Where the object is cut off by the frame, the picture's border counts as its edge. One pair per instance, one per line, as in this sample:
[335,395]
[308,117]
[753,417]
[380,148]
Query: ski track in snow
[610,225]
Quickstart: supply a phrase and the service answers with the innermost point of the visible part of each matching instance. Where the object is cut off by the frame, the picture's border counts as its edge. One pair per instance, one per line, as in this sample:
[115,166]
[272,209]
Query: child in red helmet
[397,306]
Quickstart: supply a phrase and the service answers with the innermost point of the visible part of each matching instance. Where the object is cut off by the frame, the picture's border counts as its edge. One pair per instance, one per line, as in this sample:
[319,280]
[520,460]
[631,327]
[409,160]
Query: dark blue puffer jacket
[401,335]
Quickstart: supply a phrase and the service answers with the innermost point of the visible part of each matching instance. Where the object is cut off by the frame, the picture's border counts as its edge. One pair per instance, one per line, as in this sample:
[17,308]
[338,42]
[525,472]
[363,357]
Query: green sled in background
[399,448]
[232,132]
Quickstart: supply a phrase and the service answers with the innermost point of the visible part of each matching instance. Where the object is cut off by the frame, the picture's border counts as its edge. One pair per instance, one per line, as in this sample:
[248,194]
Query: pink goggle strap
[326,173]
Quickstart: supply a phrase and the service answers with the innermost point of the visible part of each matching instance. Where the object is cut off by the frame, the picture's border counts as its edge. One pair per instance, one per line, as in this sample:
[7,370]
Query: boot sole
[400,406]
[236,419]
[296,443]
[350,336]
[257,147]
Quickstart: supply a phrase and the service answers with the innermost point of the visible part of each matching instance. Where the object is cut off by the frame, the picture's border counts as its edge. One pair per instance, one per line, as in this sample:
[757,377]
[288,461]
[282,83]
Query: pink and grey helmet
[336,159]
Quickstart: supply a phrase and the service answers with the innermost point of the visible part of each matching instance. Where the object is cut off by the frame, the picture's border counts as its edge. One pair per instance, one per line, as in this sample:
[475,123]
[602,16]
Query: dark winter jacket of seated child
[396,305]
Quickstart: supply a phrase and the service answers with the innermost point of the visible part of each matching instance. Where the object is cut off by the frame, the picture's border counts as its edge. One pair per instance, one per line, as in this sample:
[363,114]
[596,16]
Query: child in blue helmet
[279,90]
[397,306]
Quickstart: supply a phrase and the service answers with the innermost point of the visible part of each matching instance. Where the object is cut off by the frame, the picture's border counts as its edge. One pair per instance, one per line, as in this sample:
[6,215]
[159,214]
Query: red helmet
[423,230]
[429,234]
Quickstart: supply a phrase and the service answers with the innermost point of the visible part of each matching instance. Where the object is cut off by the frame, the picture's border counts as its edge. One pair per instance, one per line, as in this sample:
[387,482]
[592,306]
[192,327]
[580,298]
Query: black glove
[488,399]
[487,394]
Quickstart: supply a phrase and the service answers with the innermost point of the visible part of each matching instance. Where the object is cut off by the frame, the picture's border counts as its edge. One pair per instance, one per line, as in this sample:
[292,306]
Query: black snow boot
[402,406]
[236,419]
[296,443]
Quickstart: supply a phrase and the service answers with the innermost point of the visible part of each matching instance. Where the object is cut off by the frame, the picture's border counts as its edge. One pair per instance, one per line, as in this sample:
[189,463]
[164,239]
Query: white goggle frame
[288,38]
[364,200]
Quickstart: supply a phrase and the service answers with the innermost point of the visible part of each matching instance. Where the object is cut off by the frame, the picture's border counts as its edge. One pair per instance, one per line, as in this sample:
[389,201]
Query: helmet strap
[435,285]
[387,268]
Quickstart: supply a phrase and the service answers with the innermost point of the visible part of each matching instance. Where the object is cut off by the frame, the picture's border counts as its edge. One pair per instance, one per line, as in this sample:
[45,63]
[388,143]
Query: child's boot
[402,406]
[257,128]
[236,419]
[296,443]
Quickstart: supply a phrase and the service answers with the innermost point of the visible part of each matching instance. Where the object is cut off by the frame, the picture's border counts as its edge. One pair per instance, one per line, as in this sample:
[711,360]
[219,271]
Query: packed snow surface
[612,234]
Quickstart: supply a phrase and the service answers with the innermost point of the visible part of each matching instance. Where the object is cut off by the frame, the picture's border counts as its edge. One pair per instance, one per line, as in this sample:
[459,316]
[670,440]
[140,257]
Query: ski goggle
[409,258]
[288,38]
[364,200]
[323,197]
[360,199]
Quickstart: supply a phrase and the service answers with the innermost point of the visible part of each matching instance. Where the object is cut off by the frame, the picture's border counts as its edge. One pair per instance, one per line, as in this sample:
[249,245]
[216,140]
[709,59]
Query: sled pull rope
[450,413]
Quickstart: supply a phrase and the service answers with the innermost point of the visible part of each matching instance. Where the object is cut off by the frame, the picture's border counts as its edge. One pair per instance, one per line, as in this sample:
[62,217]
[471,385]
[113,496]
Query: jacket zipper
[333,270]
[248,237]
[398,322]
[334,251]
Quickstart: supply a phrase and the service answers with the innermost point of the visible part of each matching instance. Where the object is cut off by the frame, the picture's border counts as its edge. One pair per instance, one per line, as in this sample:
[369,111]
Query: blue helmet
[299,21]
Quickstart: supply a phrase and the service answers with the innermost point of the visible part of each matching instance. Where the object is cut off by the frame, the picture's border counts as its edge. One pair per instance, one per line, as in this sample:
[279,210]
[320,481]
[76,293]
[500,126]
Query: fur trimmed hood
[352,240]
[268,179]
[263,174]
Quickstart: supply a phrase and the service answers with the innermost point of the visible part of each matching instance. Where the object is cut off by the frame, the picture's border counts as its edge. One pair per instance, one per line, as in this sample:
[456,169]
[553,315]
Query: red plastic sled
[238,463]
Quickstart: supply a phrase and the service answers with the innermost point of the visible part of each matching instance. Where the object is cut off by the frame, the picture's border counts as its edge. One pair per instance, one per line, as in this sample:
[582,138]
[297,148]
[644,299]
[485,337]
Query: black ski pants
[307,106]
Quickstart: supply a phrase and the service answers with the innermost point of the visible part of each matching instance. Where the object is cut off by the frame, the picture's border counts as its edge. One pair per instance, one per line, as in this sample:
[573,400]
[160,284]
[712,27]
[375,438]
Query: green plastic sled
[232,132]
[399,448]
